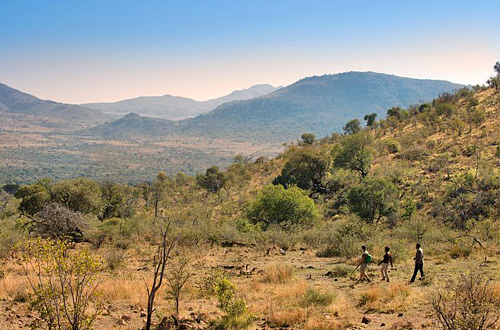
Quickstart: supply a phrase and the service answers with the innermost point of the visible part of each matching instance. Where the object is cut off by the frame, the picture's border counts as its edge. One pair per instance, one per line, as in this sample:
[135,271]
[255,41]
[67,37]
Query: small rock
[126,318]
[400,315]
[382,324]
[121,322]
[143,314]
[365,320]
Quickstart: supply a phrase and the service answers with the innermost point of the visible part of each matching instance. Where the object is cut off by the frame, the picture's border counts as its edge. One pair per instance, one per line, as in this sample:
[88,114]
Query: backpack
[368,258]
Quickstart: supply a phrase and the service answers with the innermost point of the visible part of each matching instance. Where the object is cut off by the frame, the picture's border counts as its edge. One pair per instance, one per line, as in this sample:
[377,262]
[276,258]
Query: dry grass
[132,292]
[278,274]
[14,287]
[397,296]
[323,324]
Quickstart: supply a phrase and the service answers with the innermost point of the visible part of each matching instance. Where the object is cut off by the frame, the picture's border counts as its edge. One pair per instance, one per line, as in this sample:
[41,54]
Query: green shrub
[340,271]
[392,146]
[285,207]
[313,298]
[235,311]
[373,199]
[459,250]
[346,239]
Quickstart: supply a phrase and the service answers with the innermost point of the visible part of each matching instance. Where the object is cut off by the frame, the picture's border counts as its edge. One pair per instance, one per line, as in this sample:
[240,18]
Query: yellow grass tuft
[279,274]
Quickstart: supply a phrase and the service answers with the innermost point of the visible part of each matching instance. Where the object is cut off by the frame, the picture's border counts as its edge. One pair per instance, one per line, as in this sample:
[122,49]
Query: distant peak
[132,115]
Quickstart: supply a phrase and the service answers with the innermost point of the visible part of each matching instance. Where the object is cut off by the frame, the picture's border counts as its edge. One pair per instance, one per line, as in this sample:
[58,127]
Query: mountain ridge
[15,102]
[317,104]
[176,107]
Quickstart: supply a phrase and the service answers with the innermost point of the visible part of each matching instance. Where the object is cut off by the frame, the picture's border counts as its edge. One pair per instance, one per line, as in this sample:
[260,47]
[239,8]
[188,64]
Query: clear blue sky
[83,51]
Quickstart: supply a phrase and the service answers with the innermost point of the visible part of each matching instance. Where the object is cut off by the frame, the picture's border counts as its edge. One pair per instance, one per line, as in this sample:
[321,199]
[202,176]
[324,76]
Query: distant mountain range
[320,105]
[25,107]
[176,107]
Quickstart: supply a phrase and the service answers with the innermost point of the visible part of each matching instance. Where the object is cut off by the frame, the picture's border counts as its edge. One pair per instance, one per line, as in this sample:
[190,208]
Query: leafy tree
[307,139]
[213,180]
[396,112]
[496,67]
[33,198]
[445,109]
[352,127]
[285,207]
[79,195]
[113,201]
[467,200]
[370,119]
[356,153]
[494,82]
[305,168]
[373,199]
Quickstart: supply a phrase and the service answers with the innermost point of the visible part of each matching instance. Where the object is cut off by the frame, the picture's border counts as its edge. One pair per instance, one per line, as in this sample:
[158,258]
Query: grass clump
[279,274]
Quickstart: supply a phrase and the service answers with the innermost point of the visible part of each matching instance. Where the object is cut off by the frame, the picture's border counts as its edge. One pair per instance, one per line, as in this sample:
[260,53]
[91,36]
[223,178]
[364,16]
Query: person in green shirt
[366,258]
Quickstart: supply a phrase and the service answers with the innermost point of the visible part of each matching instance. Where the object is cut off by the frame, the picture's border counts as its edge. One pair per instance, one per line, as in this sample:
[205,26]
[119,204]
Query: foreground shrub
[286,207]
[313,298]
[339,271]
[345,239]
[63,282]
[469,303]
[235,311]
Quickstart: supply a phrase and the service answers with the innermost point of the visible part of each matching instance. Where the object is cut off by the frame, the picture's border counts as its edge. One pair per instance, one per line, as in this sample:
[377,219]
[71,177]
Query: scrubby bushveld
[274,242]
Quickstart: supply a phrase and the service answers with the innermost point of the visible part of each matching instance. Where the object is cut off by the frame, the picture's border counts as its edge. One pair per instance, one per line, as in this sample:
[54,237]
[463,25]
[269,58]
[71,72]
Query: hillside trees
[79,195]
[305,168]
[466,201]
[307,139]
[352,127]
[370,119]
[275,205]
[33,198]
[373,199]
[114,201]
[213,180]
[356,153]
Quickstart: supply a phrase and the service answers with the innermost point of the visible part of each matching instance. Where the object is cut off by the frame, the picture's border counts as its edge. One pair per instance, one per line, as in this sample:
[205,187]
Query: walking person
[419,263]
[385,264]
[366,258]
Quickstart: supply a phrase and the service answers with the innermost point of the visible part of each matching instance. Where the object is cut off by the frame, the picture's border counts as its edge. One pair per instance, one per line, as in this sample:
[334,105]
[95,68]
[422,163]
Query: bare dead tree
[159,263]
[469,303]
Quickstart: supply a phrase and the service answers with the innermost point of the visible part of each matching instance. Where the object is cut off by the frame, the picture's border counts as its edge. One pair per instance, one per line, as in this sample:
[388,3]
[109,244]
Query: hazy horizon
[80,52]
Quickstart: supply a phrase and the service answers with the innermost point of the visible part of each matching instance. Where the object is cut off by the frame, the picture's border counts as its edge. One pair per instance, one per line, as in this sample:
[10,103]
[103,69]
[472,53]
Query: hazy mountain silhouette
[15,102]
[176,107]
[320,105]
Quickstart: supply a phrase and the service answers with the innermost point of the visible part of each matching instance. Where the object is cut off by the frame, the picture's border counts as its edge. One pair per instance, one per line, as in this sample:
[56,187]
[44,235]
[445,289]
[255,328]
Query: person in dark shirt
[419,263]
[385,264]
